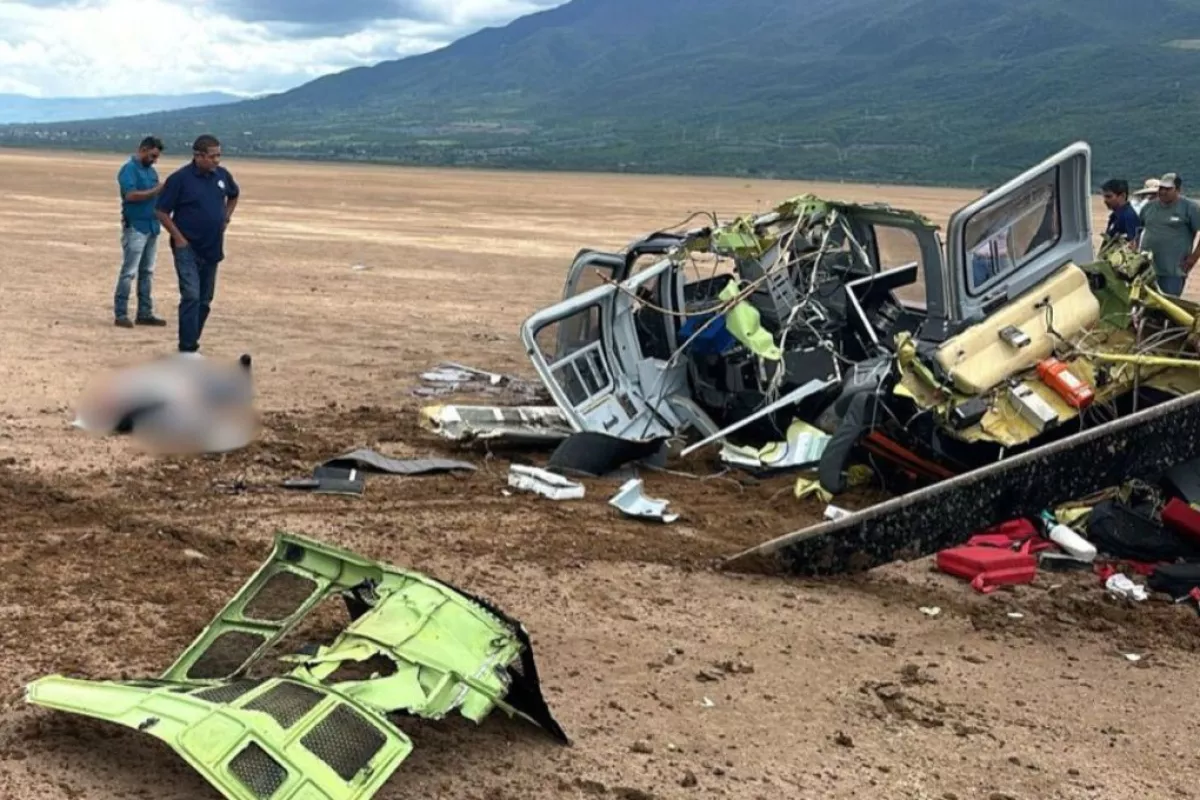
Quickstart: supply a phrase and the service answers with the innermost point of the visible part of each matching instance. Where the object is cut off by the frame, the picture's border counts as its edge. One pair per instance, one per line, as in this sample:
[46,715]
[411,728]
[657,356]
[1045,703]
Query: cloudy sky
[55,48]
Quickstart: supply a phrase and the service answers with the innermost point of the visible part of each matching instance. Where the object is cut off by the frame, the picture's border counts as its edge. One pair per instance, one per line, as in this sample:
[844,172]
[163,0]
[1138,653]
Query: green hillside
[926,91]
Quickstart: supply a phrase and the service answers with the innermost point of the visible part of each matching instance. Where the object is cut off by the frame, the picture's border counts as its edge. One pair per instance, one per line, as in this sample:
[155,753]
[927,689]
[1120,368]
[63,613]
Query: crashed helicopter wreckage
[321,731]
[936,366]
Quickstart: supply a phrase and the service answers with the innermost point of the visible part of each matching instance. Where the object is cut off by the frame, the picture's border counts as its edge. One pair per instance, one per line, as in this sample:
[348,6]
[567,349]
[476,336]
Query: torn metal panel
[543,482]
[534,425]
[369,460]
[632,502]
[803,447]
[598,454]
[250,740]
[449,377]
[317,732]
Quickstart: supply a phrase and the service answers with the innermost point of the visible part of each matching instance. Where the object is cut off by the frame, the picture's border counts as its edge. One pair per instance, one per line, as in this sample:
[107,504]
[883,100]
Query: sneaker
[122,322]
[151,320]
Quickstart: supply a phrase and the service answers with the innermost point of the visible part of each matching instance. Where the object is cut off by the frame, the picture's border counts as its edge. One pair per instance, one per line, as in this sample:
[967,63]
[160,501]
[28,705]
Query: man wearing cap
[1170,226]
[1144,195]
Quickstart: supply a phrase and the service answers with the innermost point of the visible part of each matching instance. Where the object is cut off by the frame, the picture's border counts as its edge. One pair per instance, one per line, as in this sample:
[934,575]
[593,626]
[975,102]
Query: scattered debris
[833,512]
[596,455]
[543,482]
[802,448]
[518,425]
[630,500]
[344,474]
[931,611]
[1119,585]
[370,461]
[450,378]
[272,735]
[967,367]
[330,480]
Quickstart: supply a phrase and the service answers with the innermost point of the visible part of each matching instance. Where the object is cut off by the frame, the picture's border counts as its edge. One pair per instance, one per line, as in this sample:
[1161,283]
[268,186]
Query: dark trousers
[197,283]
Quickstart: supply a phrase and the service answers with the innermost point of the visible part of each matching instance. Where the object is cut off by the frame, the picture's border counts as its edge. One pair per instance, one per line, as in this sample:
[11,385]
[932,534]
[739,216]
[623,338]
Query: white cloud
[92,48]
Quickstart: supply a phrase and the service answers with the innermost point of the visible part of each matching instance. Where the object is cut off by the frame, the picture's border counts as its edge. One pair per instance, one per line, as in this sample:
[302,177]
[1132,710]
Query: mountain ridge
[22,108]
[912,91]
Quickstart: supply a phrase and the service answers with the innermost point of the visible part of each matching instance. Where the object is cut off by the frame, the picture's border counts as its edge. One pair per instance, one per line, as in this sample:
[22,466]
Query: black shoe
[151,320]
[122,322]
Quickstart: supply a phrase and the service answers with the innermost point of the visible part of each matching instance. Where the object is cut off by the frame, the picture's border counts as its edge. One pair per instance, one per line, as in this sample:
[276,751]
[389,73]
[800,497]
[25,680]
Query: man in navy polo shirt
[138,184]
[195,205]
[1123,219]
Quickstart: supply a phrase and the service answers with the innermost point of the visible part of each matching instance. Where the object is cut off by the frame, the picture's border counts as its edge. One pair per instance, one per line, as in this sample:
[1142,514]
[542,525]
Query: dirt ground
[673,679]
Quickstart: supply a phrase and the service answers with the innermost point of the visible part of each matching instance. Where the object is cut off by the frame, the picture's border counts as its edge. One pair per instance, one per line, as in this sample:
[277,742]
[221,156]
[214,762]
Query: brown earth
[674,680]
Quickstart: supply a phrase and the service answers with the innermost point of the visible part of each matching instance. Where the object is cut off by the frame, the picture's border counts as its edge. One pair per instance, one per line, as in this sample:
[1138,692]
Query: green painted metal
[414,644]
[245,754]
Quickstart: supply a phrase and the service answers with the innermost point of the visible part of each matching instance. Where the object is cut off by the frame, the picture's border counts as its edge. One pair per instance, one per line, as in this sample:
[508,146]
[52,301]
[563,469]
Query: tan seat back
[978,359]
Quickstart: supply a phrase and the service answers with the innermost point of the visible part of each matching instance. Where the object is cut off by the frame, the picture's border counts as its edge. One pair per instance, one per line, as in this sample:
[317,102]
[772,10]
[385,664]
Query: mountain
[23,108]
[925,91]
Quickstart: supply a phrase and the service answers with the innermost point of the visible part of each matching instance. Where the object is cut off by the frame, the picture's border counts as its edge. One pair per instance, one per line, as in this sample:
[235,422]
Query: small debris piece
[194,555]
[630,500]
[843,739]
[689,780]
[543,482]
[931,611]
[626,793]
[736,668]
[1120,585]
[642,746]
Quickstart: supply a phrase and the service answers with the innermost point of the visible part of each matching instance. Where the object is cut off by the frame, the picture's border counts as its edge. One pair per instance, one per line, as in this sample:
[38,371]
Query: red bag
[1182,518]
[1008,534]
[988,567]
[1014,530]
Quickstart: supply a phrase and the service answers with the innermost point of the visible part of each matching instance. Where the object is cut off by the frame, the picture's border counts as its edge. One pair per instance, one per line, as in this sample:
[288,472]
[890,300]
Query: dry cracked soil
[674,679]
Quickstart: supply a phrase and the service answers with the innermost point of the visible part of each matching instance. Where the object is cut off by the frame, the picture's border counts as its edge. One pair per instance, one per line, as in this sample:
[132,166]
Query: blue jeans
[1171,284]
[197,283]
[138,256]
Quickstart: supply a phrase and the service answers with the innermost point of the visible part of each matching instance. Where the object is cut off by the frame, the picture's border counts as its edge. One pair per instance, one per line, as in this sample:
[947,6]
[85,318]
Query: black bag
[1177,580]
[1131,532]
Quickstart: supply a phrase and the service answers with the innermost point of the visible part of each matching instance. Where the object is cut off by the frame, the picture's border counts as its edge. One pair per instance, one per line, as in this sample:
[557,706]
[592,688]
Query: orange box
[1058,376]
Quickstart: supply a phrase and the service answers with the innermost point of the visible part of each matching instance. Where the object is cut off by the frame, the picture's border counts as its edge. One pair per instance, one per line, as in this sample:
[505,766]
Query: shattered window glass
[1002,239]
[590,277]
[898,247]
[560,339]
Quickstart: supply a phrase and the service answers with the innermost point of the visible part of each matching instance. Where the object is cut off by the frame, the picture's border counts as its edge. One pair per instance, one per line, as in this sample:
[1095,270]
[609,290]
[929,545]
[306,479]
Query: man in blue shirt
[195,206]
[138,184]
[1123,219]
